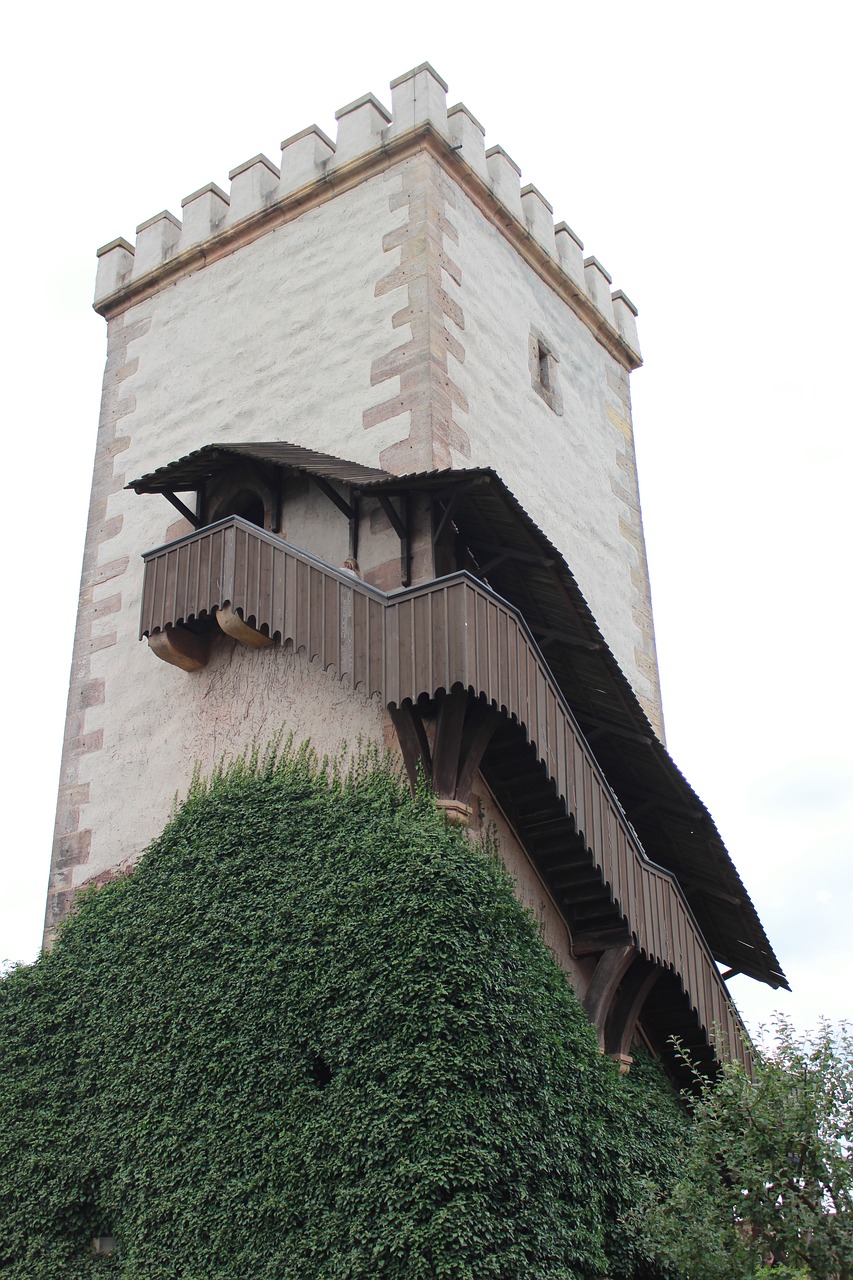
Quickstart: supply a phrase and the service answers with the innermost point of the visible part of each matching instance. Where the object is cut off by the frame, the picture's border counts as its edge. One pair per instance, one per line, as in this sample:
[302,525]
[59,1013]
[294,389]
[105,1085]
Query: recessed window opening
[247,504]
[544,362]
[544,367]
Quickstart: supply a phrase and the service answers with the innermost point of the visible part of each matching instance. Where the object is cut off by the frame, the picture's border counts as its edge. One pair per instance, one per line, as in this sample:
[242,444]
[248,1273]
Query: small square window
[544,367]
[543,371]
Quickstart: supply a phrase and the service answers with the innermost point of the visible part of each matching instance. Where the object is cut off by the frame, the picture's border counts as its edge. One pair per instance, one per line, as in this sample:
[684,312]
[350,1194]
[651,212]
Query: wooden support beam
[565,878]
[463,728]
[656,804]
[535,785]
[645,806]
[194,519]
[590,941]
[533,815]
[355,495]
[332,494]
[626,1009]
[582,894]
[234,626]
[448,742]
[499,554]
[480,725]
[406,543]
[609,972]
[560,861]
[570,638]
[557,831]
[694,882]
[394,517]
[562,882]
[450,507]
[413,741]
[594,728]
[559,824]
[400,523]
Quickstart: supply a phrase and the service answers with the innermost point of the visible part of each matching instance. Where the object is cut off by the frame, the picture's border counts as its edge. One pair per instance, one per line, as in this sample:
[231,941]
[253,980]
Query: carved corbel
[234,626]
[180,647]
[625,1012]
[615,998]
[601,992]
[463,728]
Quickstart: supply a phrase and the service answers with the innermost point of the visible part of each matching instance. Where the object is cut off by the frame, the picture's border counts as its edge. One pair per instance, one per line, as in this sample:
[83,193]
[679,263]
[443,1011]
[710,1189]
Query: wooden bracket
[332,494]
[400,523]
[447,514]
[278,494]
[353,524]
[414,744]
[608,974]
[463,729]
[615,999]
[570,638]
[591,941]
[448,743]
[594,728]
[194,519]
[499,554]
[625,1010]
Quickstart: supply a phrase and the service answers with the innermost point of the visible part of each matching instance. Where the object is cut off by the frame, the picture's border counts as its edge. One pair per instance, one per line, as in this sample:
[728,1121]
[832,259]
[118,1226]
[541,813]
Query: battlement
[263,195]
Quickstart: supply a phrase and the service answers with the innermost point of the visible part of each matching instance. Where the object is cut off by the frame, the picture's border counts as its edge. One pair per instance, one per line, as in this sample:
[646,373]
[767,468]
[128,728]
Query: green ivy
[314,1036]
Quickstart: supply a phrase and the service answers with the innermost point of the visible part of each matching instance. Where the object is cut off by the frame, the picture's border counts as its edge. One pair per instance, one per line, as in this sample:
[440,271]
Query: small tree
[767,1186]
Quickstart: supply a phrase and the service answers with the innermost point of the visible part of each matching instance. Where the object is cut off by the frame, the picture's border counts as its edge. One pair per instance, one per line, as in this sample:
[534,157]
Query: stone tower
[367,418]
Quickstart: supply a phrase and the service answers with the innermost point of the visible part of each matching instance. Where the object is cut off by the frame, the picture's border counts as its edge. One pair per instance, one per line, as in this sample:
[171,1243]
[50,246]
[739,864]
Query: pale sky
[702,154]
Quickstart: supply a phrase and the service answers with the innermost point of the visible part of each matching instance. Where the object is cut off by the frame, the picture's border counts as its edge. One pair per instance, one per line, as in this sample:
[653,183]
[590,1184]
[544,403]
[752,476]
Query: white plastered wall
[274,342]
[173,721]
[573,473]
[310,521]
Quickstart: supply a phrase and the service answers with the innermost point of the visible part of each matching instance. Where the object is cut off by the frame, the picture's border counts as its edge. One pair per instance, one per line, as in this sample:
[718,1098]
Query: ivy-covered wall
[313,1036]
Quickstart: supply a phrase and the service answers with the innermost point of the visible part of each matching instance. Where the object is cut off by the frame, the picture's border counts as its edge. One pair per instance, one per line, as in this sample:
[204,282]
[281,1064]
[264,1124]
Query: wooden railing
[444,633]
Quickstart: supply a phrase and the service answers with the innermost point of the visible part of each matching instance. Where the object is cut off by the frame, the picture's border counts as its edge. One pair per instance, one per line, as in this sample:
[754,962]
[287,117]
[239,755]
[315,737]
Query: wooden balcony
[456,644]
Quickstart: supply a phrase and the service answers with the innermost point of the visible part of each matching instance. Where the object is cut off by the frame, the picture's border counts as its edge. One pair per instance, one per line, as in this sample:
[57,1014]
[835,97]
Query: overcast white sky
[702,152]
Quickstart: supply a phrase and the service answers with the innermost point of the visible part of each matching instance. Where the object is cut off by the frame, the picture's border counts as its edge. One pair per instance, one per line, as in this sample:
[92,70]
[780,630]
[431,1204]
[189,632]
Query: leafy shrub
[314,1035]
[766,1186]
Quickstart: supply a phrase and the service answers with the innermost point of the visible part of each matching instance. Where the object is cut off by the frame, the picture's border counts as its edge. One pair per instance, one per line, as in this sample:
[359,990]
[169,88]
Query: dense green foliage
[767,1184]
[313,1036]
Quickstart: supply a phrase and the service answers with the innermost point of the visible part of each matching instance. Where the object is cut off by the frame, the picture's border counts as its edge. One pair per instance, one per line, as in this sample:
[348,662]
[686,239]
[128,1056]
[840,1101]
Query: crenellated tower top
[313,169]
